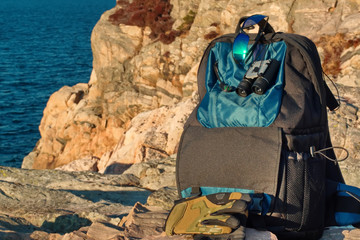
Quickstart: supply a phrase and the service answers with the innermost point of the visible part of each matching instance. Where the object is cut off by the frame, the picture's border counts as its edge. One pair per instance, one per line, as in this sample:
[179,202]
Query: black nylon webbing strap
[331,101]
[347,204]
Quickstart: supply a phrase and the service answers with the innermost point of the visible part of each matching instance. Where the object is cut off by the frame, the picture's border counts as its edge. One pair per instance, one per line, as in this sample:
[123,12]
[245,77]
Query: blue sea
[44,45]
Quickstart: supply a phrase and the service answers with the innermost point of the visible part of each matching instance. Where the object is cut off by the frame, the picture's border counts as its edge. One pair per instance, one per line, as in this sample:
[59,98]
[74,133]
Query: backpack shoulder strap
[308,49]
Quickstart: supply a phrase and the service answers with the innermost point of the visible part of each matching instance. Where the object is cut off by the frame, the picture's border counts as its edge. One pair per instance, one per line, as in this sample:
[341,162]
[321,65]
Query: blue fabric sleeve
[227,109]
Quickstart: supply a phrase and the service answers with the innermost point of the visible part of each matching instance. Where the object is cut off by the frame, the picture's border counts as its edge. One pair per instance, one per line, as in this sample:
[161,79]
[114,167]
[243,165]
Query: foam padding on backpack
[347,208]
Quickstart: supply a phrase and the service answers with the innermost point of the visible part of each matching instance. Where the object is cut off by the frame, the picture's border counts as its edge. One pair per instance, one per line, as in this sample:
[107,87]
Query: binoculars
[258,79]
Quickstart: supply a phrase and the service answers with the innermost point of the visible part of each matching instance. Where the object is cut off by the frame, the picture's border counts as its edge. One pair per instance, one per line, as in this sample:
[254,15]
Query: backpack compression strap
[331,101]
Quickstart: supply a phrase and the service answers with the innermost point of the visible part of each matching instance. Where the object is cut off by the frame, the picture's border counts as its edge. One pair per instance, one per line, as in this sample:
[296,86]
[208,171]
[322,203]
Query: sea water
[44,45]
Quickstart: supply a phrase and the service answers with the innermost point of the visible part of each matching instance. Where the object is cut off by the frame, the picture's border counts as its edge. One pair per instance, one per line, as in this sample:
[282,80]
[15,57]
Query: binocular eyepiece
[244,87]
[258,79]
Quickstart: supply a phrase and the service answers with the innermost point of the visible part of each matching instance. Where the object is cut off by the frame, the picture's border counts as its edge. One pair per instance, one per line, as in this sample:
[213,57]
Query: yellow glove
[219,213]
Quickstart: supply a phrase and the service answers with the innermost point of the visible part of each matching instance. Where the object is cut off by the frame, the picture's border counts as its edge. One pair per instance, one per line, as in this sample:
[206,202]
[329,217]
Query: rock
[253,234]
[55,179]
[164,198]
[40,235]
[104,230]
[155,174]
[190,82]
[15,228]
[345,132]
[350,23]
[350,67]
[80,234]
[28,160]
[144,222]
[61,202]
[335,51]
[153,134]
[72,125]
[86,164]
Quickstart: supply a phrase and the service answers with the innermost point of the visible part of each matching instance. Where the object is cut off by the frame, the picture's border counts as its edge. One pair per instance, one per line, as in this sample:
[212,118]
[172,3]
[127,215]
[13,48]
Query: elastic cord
[313,152]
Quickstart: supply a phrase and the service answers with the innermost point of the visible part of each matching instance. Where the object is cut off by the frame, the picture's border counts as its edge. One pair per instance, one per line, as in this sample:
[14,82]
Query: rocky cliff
[143,84]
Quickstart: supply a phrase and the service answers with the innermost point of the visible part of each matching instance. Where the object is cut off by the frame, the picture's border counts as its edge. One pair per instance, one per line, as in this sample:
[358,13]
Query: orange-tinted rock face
[154,14]
[74,126]
[131,74]
[144,74]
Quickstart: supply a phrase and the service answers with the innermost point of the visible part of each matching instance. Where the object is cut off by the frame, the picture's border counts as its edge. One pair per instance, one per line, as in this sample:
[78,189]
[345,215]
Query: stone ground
[133,204]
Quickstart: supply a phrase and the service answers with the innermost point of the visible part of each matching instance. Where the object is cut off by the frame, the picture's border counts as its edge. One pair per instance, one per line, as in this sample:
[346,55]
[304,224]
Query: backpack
[272,143]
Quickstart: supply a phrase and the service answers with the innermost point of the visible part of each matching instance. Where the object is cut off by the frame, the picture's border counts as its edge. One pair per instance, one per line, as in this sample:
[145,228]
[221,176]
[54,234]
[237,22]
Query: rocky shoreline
[104,167]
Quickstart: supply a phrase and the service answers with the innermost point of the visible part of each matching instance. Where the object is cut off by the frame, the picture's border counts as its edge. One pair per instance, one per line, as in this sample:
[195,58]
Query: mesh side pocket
[305,192]
[295,182]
